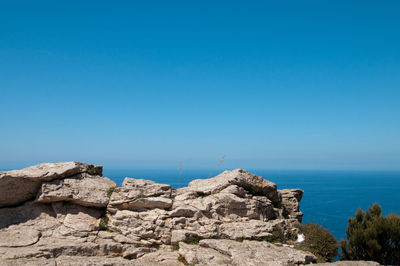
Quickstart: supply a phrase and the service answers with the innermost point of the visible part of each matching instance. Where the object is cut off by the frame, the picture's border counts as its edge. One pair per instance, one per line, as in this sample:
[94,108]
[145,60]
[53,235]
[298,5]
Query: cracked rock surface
[69,214]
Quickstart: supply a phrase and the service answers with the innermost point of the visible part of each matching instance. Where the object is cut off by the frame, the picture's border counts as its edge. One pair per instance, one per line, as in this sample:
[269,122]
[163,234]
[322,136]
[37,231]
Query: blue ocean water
[330,197]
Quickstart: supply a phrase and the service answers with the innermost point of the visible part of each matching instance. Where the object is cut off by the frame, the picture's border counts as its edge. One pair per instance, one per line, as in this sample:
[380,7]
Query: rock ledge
[68,214]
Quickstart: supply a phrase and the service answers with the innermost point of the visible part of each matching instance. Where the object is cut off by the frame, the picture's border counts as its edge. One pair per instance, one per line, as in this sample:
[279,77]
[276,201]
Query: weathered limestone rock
[139,226]
[14,238]
[290,201]
[230,213]
[62,208]
[75,220]
[30,214]
[147,203]
[182,236]
[133,253]
[82,189]
[195,255]
[17,186]
[140,194]
[91,261]
[185,211]
[256,185]
[257,252]
[28,262]
[68,261]
[163,256]
[252,229]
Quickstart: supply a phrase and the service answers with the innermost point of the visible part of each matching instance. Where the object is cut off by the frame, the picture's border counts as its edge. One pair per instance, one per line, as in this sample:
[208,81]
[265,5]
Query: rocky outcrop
[256,185]
[18,186]
[68,214]
[83,189]
[291,203]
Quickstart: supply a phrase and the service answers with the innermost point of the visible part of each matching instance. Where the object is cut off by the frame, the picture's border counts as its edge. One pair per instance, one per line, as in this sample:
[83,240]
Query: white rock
[300,238]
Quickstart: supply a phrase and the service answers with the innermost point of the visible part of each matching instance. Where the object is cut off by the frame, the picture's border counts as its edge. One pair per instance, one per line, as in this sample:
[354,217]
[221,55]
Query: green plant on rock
[175,246]
[183,260]
[193,239]
[141,196]
[201,194]
[278,235]
[240,239]
[103,223]
[371,236]
[318,241]
[110,191]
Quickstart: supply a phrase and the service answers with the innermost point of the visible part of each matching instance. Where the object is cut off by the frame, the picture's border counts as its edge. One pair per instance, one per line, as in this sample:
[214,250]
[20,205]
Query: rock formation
[68,214]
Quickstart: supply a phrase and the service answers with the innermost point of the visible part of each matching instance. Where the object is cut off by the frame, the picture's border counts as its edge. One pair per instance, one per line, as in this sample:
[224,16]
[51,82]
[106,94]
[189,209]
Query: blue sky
[147,84]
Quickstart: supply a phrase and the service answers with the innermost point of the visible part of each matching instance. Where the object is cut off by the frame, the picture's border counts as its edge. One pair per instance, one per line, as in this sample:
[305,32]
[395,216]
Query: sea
[330,197]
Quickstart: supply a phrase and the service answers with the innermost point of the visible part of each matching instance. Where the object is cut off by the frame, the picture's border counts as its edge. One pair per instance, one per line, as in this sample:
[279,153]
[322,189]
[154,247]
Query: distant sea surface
[330,197]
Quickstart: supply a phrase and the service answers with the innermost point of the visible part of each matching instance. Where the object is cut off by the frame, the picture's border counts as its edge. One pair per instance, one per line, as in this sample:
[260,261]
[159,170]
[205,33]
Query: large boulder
[255,185]
[83,189]
[18,186]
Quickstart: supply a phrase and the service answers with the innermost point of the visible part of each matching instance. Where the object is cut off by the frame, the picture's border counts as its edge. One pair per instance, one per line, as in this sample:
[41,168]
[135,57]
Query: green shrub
[371,236]
[318,241]
[175,246]
[103,223]
[277,236]
[193,239]
[201,194]
[110,191]
[182,259]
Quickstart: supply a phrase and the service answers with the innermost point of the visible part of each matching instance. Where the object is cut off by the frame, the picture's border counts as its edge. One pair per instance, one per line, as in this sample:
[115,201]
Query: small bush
[175,246]
[371,236]
[193,240]
[103,224]
[318,241]
[278,235]
[201,194]
[110,191]
[183,260]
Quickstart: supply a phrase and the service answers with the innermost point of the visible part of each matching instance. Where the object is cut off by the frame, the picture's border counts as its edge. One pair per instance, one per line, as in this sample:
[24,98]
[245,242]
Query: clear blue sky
[147,84]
